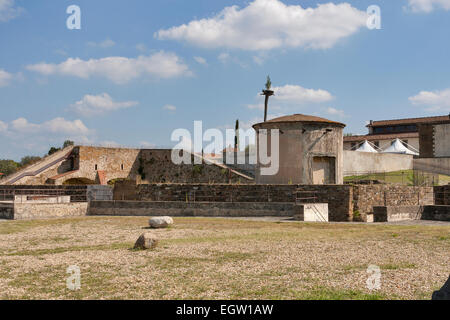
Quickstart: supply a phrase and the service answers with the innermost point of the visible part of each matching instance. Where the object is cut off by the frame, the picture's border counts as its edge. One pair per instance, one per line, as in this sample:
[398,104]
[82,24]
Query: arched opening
[78,181]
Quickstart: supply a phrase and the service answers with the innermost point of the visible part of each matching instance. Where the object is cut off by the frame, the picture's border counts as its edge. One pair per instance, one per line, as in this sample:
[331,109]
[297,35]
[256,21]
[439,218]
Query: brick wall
[187,209]
[338,197]
[365,197]
[442,195]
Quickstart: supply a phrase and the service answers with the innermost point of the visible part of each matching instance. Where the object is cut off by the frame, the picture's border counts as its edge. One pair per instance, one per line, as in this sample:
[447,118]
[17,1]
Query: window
[96,167]
[121,166]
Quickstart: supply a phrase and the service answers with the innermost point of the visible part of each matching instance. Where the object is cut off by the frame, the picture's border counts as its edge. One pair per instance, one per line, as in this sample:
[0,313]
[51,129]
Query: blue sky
[137,70]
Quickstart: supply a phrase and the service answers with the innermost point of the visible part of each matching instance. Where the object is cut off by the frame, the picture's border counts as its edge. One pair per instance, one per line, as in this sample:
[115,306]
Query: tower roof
[301,118]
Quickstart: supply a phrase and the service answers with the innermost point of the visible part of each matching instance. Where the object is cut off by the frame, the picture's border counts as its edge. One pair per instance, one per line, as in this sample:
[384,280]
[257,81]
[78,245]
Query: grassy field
[208,258]
[399,177]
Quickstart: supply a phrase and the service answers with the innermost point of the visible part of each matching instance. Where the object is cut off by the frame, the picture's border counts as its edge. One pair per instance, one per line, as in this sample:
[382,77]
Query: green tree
[68,143]
[8,167]
[29,160]
[236,137]
[268,83]
[53,150]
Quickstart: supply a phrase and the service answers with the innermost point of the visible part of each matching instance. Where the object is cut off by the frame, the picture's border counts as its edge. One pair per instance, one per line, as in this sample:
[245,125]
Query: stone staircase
[39,167]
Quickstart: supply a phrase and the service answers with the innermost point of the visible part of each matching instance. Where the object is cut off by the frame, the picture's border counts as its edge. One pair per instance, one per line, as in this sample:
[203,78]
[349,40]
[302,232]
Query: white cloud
[335,112]
[110,144]
[141,47]
[54,126]
[299,95]
[255,106]
[94,105]
[108,43]
[434,101]
[428,5]
[201,60]
[118,69]
[170,108]
[5,77]
[223,57]
[3,126]
[147,145]
[270,24]
[8,10]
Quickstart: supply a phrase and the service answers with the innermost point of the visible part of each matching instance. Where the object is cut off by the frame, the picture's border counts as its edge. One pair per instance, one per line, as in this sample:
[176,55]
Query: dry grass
[207,258]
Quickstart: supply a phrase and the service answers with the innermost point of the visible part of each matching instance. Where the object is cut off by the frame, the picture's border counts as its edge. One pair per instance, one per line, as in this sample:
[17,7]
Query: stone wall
[338,197]
[401,213]
[358,163]
[76,193]
[396,213]
[365,197]
[436,213]
[190,209]
[6,210]
[442,195]
[143,166]
[88,165]
[25,211]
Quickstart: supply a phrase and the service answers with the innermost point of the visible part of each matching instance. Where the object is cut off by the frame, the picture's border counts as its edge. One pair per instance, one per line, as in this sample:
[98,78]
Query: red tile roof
[409,121]
[374,137]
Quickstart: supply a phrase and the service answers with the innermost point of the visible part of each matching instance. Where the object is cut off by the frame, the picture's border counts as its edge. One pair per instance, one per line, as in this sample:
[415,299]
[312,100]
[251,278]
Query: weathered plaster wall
[299,143]
[442,140]
[356,162]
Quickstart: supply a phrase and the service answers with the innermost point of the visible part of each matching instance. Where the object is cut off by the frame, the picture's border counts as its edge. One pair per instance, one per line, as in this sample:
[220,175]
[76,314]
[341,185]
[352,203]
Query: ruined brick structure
[82,165]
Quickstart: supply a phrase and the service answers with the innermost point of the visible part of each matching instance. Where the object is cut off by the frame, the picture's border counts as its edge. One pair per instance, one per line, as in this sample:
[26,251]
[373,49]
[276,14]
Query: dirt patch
[211,258]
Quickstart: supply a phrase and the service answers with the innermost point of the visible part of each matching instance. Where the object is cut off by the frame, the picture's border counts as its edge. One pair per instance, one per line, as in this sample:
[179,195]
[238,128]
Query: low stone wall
[76,193]
[442,195]
[396,213]
[401,213]
[366,197]
[359,163]
[21,211]
[338,197]
[190,209]
[436,213]
[6,210]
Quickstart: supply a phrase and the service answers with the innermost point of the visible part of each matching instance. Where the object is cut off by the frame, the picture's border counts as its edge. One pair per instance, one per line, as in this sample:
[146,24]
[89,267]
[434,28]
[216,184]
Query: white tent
[399,147]
[366,147]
